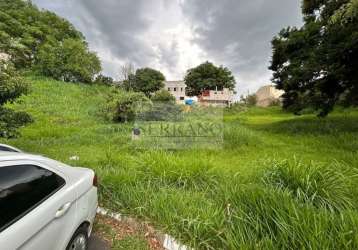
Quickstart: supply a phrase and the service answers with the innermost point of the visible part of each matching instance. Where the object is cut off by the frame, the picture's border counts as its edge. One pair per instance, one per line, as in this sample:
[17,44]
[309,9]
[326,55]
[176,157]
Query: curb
[169,242]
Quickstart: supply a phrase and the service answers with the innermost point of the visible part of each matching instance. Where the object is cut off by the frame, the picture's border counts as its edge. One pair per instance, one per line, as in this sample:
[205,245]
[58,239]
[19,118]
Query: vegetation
[316,65]
[163,108]
[69,61]
[249,100]
[207,76]
[145,80]
[106,80]
[125,106]
[163,96]
[12,86]
[43,41]
[278,182]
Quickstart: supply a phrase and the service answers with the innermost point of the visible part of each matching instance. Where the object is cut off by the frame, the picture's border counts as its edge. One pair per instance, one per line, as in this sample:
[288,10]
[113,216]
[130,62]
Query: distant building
[219,98]
[177,89]
[266,95]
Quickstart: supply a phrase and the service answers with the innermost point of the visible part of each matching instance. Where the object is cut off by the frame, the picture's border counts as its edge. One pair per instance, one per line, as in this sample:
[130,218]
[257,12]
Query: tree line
[205,76]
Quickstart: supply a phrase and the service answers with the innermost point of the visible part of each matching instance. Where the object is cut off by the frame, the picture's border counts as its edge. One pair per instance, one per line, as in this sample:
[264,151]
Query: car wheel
[79,240]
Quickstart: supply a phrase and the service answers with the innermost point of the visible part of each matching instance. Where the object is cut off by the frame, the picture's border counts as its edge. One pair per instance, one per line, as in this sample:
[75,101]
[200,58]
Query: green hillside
[278,182]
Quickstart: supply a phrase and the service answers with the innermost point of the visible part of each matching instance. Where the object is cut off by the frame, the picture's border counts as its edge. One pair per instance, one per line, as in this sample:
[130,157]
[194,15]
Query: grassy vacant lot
[280,181]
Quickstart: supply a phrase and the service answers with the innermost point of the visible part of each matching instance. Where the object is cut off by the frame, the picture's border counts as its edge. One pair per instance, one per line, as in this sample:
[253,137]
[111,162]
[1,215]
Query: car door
[36,206]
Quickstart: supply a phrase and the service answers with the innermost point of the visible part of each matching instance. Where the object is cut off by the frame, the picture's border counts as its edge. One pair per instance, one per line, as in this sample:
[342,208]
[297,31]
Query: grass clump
[324,186]
[261,218]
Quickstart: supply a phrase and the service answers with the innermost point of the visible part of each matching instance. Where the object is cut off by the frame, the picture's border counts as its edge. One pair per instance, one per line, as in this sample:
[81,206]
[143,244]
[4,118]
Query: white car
[45,204]
[7,148]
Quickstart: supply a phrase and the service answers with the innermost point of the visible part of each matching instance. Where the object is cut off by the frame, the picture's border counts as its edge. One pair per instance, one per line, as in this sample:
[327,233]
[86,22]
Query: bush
[163,96]
[12,86]
[105,80]
[249,100]
[10,121]
[125,106]
[164,108]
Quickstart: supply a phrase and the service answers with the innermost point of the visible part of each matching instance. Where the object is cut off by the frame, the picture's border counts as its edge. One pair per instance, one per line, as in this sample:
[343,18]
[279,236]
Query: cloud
[175,35]
[237,33]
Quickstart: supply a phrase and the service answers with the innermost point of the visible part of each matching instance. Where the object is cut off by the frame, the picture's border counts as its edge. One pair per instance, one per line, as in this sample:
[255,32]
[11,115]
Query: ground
[278,182]
[128,233]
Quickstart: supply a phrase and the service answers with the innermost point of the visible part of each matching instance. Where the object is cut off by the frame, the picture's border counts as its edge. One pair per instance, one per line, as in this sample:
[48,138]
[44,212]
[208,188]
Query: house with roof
[266,95]
[217,98]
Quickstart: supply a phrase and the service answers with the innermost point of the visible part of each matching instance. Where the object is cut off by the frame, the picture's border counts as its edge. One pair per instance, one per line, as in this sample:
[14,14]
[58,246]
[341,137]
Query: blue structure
[189,102]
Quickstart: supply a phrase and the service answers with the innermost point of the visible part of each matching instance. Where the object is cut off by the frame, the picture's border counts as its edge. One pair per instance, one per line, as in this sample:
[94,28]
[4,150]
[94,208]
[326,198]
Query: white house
[268,94]
[177,89]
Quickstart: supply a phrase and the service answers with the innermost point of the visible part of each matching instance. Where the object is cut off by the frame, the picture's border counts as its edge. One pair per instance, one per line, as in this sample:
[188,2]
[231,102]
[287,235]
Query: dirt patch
[113,232]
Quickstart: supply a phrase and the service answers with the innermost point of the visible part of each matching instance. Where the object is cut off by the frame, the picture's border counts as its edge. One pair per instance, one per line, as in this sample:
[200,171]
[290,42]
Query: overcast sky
[174,35]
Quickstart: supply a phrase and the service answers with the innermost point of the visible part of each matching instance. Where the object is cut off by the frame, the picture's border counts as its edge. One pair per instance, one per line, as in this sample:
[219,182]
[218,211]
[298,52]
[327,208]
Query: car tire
[79,240]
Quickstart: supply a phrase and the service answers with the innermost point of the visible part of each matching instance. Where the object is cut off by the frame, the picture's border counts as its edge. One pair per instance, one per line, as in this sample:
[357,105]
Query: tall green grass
[277,182]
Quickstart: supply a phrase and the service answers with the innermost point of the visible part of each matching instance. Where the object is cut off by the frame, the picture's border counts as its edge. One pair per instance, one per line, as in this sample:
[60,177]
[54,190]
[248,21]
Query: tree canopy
[42,40]
[145,80]
[316,65]
[207,76]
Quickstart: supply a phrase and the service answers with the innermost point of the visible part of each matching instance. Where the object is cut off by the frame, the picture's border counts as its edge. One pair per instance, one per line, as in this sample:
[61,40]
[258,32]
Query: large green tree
[40,39]
[146,80]
[316,65]
[207,76]
[70,61]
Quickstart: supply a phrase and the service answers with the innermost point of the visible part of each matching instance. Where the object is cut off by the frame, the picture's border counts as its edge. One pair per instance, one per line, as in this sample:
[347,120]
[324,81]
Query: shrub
[12,86]
[249,100]
[10,121]
[163,96]
[105,80]
[125,106]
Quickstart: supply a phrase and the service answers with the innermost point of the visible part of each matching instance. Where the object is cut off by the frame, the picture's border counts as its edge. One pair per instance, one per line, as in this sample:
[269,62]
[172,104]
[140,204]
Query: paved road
[96,243]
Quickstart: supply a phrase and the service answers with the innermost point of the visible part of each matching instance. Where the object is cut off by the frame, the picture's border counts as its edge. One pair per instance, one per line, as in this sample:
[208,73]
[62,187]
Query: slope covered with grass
[278,182]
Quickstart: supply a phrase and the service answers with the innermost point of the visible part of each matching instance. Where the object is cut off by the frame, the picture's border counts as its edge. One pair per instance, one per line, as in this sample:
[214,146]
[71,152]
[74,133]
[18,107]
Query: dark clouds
[235,33]
[119,22]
